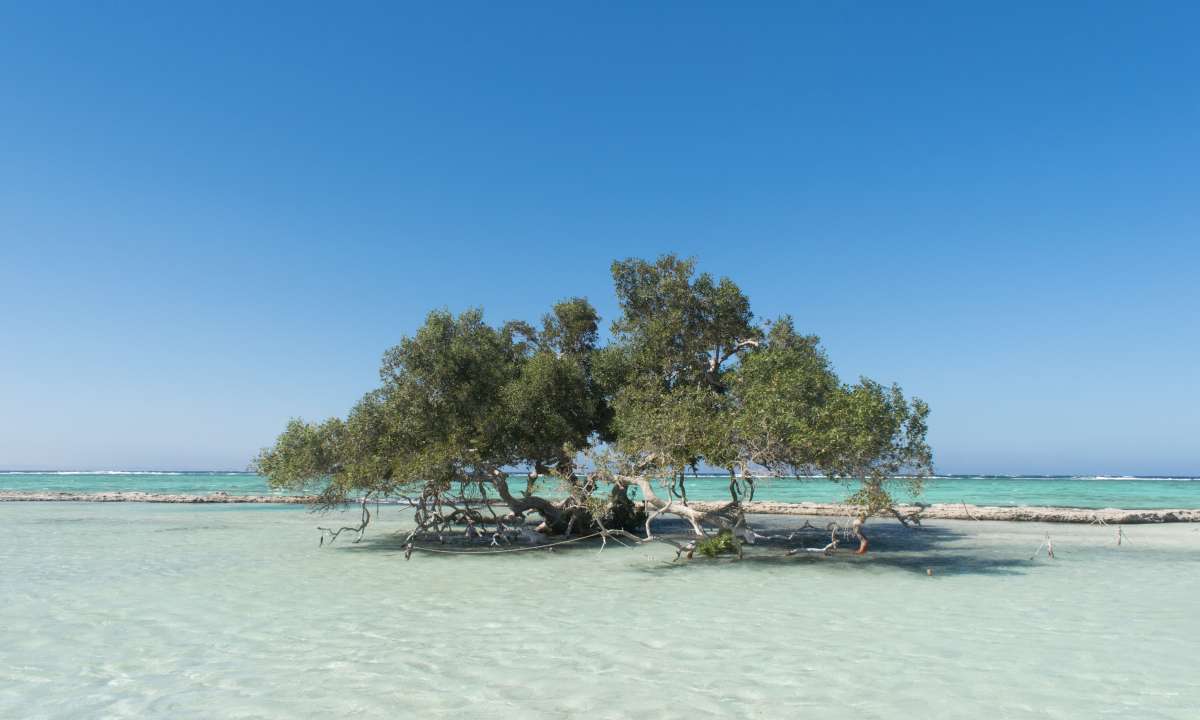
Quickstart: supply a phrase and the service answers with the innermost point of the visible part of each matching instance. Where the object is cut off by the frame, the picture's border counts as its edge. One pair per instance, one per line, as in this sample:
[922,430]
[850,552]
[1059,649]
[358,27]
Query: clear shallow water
[174,483]
[1086,492]
[155,611]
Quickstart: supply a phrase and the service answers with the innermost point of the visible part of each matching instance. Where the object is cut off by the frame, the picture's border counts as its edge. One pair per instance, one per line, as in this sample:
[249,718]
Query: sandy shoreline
[959,511]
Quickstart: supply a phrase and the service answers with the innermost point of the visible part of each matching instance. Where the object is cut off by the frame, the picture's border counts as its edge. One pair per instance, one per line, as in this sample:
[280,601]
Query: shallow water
[173,483]
[1082,491]
[155,611]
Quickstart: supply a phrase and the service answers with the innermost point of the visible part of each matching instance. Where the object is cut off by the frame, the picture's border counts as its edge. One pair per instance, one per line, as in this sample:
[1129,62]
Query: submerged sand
[960,511]
[140,610]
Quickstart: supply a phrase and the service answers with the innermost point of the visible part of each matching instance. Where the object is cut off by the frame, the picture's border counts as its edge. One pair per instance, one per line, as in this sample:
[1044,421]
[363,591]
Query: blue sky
[216,217]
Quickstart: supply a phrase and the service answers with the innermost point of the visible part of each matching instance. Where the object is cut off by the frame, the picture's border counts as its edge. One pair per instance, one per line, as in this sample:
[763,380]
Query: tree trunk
[656,506]
[856,528]
[573,515]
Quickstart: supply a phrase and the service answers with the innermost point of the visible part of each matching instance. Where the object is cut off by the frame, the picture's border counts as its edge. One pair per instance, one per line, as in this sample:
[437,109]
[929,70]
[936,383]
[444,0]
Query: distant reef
[1113,516]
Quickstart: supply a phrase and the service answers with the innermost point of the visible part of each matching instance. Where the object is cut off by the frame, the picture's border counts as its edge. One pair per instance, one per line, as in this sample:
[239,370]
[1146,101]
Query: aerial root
[359,529]
[471,520]
[831,527]
[1048,543]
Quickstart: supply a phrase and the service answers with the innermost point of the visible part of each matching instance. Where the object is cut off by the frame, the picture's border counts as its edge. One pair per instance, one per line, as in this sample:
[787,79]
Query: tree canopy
[689,379]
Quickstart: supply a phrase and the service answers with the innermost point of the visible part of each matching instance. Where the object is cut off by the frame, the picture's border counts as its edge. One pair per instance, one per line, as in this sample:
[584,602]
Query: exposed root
[911,518]
[359,529]
[1048,544]
[828,549]
[465,511]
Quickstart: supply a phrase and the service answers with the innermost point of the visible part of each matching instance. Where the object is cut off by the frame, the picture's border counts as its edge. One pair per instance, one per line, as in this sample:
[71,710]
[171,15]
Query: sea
[135,610]
[1078,491]
[138,610]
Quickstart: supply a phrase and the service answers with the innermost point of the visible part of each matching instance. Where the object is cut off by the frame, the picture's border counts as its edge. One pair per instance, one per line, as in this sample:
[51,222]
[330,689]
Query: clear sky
[216,217]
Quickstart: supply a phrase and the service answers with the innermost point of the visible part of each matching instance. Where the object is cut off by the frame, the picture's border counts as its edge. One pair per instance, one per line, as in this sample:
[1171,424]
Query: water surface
[1061,491]
[152,611]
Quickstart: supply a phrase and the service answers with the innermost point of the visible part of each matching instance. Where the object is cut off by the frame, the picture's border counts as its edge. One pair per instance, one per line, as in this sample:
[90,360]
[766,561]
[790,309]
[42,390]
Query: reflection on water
[110,611]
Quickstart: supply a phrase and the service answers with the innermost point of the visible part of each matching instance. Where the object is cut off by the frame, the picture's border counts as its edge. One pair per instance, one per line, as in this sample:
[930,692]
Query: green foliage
[672,323]
[673,428]
[572,328]
[723,543]
[781,391]
[457,396]
[690,378]
[304,453]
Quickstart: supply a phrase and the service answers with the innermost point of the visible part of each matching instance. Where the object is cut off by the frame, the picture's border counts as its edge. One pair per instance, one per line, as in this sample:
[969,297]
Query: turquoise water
[1085,492]
[175,483]
[153,611]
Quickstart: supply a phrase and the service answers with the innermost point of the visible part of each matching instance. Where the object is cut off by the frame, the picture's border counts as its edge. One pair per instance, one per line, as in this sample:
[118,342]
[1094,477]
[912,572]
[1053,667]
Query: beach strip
[941,511]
